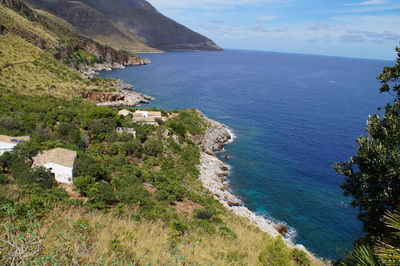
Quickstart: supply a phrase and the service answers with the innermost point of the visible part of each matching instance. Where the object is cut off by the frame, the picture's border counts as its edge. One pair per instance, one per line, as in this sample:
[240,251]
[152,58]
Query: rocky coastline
[91,71]
[213,176]
[123,94]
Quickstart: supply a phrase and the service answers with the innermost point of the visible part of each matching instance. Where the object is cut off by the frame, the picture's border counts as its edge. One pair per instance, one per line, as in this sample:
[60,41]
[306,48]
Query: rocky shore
[117,98]
[214,173]
[91,71]
[123,94]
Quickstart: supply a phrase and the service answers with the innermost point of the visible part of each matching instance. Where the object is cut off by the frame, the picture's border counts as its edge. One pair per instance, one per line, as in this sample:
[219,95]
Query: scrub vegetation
[128,204]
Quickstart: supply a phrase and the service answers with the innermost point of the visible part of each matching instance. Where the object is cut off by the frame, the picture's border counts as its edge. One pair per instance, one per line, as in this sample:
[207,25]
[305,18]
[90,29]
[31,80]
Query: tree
[100,194]
[83,183]
[373,175]
[103,125]
[153,147]
[42,176]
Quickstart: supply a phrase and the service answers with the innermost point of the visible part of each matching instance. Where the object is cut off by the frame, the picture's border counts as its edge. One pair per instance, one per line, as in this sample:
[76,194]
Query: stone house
[60,162]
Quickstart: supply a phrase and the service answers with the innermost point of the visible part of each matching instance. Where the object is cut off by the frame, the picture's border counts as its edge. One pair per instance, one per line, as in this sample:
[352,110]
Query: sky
[349,28]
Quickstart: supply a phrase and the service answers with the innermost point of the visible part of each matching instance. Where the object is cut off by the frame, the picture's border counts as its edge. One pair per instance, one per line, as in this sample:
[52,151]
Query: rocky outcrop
[110,58]
[91,71]
[215,137]
[118,98]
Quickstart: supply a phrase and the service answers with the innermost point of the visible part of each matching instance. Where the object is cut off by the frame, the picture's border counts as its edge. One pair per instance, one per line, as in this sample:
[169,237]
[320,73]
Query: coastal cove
[281,173]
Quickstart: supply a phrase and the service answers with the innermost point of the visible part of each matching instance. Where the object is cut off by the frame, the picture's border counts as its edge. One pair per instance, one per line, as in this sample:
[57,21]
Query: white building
[8,143]
[124,112]
[146,117]
[60,162]
[131,131]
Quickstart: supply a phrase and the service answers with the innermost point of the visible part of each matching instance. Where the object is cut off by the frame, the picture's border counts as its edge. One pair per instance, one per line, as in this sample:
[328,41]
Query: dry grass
[25,69]
[96,237]
[14,50]
[18,24]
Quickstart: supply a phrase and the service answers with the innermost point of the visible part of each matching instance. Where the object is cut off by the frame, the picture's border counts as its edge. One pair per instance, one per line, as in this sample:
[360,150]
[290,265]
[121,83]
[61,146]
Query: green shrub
[130,191]
[275,253]
[88,165]
[81,225]
[227,232]
[300,257]
[27,176]
[153,147]
[100,194]
[178,228]
[83,183]
[3,179]
[42,176]
[104,125]
[204,214]
[133,147]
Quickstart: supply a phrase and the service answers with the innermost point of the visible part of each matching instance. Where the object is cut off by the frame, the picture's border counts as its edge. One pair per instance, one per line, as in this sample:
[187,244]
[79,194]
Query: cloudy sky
[351,28]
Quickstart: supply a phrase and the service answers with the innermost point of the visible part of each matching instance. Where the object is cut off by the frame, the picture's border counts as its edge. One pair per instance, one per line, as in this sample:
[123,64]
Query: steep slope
[30,45]
[128,24]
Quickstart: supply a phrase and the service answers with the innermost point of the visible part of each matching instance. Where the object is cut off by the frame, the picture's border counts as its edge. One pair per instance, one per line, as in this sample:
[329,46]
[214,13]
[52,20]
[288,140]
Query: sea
[293,116]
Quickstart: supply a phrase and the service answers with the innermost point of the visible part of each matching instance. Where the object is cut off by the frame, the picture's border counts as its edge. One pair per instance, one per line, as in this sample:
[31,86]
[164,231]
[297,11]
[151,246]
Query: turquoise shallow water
[293,115]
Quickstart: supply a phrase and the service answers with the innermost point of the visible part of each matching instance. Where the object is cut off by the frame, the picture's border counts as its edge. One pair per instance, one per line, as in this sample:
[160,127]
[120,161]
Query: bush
[103,125]
[275,253]
[69,133]
[86,165]
[83,183]
[26,176]
[81,225]
[153,147]
[43,177]
[100,194]
[130,191]
[300,257]
[3,179]
[204,214]
[133,147]
[178,228]
[10,123]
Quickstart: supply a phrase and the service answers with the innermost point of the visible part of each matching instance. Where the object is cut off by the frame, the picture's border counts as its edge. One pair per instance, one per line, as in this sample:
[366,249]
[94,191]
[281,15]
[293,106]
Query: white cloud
[208,4]
[372,6]
[372,2]
[265,19]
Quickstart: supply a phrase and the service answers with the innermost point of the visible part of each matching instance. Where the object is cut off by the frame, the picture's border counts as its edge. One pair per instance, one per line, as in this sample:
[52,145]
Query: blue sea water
[294,116]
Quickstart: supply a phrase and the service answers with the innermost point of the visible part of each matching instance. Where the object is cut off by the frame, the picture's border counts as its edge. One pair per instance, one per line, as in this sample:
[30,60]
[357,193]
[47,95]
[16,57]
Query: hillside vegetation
[131,199]
[29,45]
[135,201]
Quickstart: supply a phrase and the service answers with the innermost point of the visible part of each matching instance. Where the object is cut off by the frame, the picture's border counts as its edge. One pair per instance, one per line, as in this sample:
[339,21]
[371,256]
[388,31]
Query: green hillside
[29,44]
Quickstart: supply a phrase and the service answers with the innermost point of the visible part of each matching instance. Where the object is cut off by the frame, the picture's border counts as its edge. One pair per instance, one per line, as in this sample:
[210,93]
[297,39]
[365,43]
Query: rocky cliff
[134,25]
[51,33]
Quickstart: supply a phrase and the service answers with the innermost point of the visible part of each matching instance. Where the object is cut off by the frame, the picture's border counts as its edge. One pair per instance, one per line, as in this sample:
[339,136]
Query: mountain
[40,53]
[134,25]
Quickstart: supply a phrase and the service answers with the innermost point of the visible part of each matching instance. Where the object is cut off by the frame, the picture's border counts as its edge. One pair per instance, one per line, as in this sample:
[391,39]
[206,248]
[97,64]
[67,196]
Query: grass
[21,26]
[98,236]
[15,50]
[27,70]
